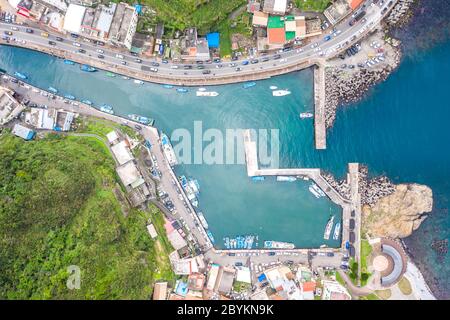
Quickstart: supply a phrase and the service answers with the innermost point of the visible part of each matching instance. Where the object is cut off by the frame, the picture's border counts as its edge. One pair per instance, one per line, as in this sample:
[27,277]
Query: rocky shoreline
[401,13]
[344,87]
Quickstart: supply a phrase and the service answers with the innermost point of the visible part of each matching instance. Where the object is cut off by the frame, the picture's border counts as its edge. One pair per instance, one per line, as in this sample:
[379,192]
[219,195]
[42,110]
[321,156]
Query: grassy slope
[312,5]
[57,209]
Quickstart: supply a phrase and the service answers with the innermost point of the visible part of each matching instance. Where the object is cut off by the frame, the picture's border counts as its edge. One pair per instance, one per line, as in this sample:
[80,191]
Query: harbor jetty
[350,201]
[320,131]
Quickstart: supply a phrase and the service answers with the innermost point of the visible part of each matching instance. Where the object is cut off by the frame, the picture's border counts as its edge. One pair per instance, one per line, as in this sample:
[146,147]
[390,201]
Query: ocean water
[400,129]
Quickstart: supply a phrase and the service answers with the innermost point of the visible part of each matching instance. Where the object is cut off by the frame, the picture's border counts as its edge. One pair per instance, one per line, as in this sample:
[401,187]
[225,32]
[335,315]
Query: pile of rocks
[344,87]
[341,186]
[401,13]
[371,190]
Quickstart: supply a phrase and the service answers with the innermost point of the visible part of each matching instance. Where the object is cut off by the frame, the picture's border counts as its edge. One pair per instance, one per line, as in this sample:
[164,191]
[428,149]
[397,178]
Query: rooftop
[128,173]
[122,153]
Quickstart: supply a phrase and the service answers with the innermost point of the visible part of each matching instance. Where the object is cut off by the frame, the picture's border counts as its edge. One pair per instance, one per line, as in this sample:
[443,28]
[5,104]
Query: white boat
[168,150]
[319,191]
[278,245]
[138,81]
[125,78]
[314,192]
[306,115]
[280,93]
[273,87]
[286,178]
[207,94]
[201,89]
[337,231]
[328,228]
[202,219]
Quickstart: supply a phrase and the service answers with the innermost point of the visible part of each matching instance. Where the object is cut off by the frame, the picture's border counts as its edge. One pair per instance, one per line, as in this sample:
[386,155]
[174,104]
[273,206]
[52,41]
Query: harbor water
[400,129]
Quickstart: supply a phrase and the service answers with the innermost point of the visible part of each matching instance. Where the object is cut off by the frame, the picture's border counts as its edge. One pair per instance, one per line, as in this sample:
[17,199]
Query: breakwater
[344,87]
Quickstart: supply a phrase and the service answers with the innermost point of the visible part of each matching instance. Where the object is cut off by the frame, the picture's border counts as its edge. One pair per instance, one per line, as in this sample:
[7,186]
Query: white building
[9,107]
[121,152]
[74,18]
[123,26]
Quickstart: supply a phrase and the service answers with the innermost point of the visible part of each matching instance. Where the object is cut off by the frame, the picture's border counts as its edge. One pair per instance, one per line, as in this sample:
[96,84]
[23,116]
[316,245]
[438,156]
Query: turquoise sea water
[400,129]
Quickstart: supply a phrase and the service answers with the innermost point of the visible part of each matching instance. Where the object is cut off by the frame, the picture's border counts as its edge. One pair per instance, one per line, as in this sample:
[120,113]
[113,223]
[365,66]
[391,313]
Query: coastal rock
[398,214]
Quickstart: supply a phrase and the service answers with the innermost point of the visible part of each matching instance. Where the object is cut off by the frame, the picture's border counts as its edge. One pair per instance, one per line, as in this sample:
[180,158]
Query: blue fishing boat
[210,236]
[69,96]
[182,90]
[88,102]
[53,90]
[106,108]
[258,178]
[249,85]
[69,62]
[87,68]
[20,75]
[168,86]
[141,119]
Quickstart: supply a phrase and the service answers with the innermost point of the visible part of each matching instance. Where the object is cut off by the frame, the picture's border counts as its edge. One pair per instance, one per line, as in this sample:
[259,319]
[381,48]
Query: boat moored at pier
[168,150]
[280,93]
[87,68]
[328,228]
[337,231]
[249,85]
[207,94]
[286,178]
[106,108]
[269,244]
[306,115]
[69,62]
[142,120]
[202,219]
[20,75]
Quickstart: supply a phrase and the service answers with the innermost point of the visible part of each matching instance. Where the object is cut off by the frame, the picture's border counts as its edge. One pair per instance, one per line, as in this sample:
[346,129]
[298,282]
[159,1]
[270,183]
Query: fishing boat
[106,108]
[69,96]
[138,81]
[167,86]
[191,194]
[273,87]
[110,74]
[202,219]
[168,150]
[141,119]
[337,231]
[278,245]
[226,242]
[88,102]
[314,192]
[69,62]
[317,189]
[249,85]
[280,93]
[20,75]
[286,179]
[328,228]
[207,94]
[258,178]
[201,89]
[182,90]
[53,90]
[306,115]
[210,236]
[87,68]
[125,78]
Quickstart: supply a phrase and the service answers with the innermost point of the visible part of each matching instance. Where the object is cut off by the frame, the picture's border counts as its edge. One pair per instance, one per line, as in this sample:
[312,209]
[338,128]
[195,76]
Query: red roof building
[276,35]
[354,4]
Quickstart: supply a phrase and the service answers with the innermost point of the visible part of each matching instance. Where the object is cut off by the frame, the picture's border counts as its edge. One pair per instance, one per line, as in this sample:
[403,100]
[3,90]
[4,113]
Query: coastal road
[319,50]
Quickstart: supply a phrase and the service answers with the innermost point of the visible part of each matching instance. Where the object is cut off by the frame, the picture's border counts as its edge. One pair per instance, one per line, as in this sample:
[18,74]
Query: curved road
[234,71]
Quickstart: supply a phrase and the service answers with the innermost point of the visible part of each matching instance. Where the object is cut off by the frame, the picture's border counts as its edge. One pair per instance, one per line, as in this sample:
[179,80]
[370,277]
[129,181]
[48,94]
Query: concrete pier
[355,198]
[320,131]
[251,156]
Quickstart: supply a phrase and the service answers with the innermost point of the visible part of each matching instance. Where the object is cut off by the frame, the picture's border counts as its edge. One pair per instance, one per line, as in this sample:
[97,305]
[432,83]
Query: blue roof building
[23,132]
[213,39]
